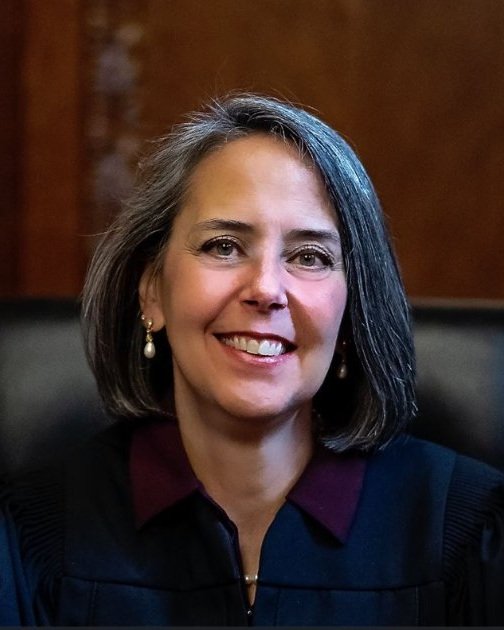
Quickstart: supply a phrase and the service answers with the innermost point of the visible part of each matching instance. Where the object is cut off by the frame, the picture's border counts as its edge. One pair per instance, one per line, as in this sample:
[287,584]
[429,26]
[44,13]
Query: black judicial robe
[426,547]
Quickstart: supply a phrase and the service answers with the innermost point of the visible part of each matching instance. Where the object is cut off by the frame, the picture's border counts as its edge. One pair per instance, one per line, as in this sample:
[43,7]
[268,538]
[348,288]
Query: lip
[256,360]
[289,345]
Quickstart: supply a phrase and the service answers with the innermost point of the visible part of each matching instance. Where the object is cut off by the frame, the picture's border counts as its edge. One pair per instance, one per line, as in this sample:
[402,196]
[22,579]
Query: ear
[149,297]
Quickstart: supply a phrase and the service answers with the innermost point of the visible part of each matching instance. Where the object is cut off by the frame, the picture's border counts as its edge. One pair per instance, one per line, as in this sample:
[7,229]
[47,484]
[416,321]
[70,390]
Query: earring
[149,348]
[342,371]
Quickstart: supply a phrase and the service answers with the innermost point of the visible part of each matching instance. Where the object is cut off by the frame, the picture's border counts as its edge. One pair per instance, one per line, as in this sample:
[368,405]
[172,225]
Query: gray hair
[363,411]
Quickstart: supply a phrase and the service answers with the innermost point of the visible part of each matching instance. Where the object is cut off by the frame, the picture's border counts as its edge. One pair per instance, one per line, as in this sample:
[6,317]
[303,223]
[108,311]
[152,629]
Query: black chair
[48,398]
[460,384]
[49,403]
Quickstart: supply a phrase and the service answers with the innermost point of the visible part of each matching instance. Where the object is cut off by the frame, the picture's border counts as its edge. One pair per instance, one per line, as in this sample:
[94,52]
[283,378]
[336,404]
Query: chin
[264,410]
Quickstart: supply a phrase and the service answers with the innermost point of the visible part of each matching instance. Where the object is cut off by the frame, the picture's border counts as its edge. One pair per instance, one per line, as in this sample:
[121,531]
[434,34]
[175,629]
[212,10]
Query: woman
[246,315]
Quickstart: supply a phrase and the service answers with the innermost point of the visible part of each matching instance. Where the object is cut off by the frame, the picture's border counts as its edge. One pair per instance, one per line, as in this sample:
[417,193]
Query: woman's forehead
[254,148]
[257,176]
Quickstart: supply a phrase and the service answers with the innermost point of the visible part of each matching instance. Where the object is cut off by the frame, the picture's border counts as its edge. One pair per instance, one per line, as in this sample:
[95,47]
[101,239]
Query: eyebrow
[225,224]
[246,228]
[317,235]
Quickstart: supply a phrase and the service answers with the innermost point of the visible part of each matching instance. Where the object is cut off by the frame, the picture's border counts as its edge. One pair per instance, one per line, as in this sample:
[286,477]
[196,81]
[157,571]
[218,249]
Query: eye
[312,258]
[222,247]
[308,259]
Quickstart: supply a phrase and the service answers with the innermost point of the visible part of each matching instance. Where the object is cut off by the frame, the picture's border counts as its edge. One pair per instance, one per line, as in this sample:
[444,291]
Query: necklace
[250,578]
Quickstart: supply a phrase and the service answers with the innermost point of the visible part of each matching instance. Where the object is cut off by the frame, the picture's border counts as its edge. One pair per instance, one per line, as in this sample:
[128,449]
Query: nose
[264,288]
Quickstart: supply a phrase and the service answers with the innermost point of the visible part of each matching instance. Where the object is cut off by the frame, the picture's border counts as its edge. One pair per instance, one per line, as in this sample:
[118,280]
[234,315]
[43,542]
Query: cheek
[194,297]
[334,303]
[324,310]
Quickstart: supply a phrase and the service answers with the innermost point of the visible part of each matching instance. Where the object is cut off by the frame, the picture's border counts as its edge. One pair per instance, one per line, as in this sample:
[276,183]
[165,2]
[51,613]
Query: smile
[263,347]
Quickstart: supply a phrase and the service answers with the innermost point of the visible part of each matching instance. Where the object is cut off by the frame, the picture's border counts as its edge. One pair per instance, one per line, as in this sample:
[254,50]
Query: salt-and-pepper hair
[363,411]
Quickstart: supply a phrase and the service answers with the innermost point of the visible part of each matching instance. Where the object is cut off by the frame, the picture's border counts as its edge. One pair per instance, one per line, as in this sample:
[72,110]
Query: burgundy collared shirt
[161,476]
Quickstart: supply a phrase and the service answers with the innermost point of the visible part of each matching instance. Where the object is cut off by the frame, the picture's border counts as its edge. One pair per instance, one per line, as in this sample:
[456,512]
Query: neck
[246,463]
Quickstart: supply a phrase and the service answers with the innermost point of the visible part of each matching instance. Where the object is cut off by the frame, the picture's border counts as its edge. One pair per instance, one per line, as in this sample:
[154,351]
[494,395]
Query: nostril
[278,306]
[266,305]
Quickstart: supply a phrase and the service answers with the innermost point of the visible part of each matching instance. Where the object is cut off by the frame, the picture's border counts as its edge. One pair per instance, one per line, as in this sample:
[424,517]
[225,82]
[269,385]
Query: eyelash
[220,240]
[325,257]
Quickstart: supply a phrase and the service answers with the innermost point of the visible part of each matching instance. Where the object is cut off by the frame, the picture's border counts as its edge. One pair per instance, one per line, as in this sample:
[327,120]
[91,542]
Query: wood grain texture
[11,31]
[50,250]
[427,114]
[197,50]
[114,51]
[418,88]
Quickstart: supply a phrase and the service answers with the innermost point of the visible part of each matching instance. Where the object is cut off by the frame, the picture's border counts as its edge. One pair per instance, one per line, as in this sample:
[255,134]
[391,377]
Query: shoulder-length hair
[363,411]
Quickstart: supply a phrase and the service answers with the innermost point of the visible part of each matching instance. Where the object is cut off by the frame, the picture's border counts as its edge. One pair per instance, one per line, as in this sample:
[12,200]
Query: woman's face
[252,289]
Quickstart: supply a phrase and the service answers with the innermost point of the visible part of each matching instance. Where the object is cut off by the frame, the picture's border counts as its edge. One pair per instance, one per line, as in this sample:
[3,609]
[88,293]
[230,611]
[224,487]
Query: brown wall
[41,251]
[10,48]
[417,86]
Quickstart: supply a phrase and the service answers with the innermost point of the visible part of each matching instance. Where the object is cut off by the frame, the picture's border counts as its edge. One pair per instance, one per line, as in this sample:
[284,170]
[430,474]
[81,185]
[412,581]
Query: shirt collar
[160,472]
[328,490]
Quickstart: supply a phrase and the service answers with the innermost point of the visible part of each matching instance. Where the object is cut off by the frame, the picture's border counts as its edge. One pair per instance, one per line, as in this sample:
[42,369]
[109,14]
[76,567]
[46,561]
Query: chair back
[460,382]
[49,402]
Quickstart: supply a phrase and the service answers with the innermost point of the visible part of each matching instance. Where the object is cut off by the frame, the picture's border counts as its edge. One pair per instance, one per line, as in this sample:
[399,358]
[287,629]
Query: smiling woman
[192,188]
[246,322]
[254,254]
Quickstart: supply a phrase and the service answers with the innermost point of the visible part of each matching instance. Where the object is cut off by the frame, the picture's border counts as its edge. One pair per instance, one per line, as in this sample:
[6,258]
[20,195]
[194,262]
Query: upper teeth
[264,347]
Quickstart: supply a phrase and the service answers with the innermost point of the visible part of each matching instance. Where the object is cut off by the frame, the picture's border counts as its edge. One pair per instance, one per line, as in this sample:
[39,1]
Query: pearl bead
[250,578]
[149,350]
[342,371]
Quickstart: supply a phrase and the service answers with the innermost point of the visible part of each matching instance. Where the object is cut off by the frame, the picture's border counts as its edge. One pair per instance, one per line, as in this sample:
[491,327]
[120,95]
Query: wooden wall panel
[418,87]
[427,114]
[11,26]
[197,50]
[50,250]
[113,101]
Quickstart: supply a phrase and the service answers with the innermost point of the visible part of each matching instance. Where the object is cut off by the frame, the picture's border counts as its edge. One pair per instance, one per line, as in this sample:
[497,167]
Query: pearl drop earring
[149,348]
[342,371]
